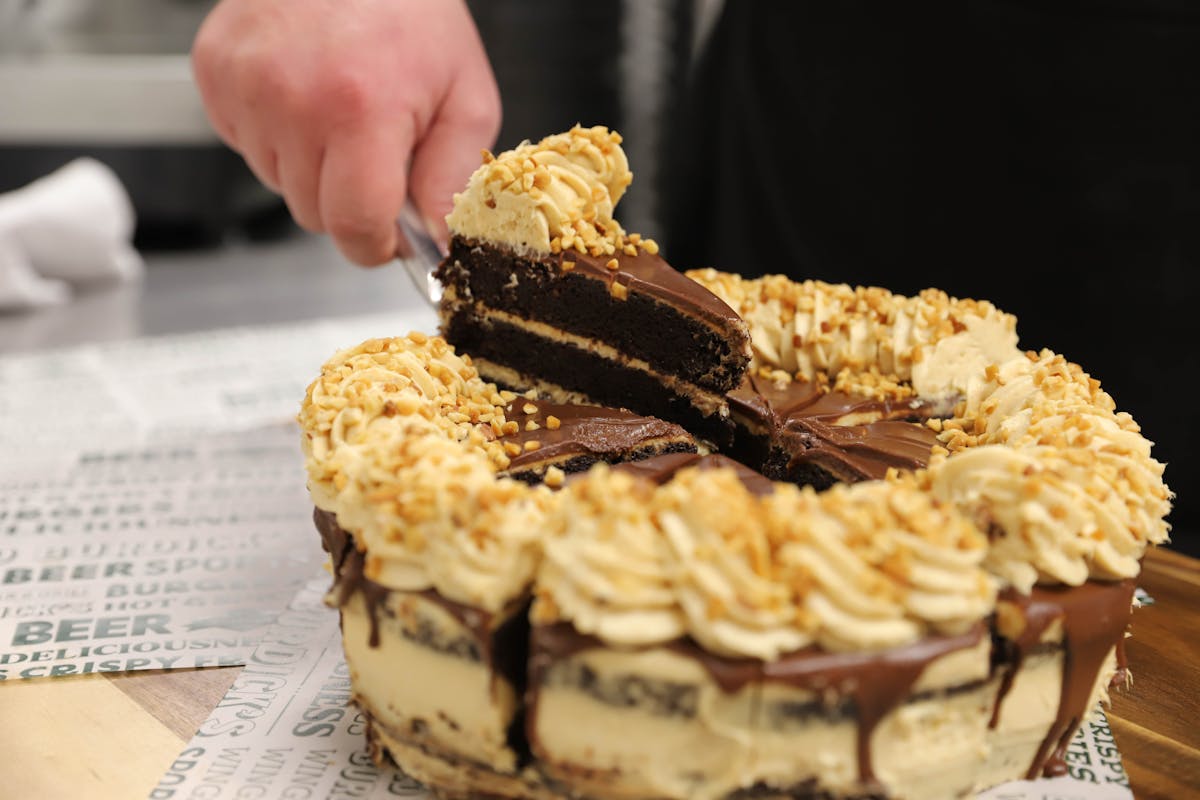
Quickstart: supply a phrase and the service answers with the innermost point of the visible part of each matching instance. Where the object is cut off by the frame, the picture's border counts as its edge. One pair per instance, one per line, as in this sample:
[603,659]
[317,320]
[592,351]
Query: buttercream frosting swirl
[378,384]
[429,512]
[882,564]
[557,194]
[938,344]
[1064,482]
[720,537]
[864,567]
[606,568]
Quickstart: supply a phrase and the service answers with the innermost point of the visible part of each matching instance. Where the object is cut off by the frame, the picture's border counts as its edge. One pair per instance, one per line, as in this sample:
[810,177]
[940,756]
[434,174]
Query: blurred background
[111,79]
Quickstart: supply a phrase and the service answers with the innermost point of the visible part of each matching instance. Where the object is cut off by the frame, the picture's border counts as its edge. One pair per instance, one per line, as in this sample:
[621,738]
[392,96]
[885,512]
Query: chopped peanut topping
[555,477]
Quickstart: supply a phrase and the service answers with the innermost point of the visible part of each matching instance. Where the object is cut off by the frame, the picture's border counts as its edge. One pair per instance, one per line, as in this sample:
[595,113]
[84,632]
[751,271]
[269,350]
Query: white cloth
[70,228]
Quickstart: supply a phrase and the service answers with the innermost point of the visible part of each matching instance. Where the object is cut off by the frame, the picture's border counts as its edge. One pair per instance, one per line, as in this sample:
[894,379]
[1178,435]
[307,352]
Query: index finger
[362,189]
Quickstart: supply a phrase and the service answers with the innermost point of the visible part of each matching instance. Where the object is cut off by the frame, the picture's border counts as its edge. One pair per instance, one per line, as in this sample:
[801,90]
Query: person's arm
[345,107]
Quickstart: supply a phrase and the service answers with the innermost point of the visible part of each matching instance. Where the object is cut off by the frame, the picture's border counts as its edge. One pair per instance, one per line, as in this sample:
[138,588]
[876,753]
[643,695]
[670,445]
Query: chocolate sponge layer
[660,316]
[563,364]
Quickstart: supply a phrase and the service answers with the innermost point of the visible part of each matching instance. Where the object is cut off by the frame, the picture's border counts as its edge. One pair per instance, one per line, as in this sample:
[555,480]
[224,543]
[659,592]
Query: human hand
[346,107]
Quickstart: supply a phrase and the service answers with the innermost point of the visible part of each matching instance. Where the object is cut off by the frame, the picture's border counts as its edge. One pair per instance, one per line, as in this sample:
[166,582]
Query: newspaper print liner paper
[153,513]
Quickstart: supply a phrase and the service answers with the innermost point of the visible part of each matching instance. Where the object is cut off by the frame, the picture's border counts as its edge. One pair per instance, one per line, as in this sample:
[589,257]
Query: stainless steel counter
[298,277]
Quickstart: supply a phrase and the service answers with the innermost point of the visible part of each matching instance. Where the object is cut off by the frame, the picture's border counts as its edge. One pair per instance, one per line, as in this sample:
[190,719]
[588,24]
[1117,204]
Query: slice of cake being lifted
[545,290]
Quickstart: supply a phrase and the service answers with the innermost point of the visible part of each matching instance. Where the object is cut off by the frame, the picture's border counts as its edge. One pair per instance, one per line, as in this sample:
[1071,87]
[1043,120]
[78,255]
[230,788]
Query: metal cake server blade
[419,254]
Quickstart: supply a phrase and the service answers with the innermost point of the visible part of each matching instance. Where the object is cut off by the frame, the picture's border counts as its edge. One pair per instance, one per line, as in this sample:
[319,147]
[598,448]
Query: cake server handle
[419,253]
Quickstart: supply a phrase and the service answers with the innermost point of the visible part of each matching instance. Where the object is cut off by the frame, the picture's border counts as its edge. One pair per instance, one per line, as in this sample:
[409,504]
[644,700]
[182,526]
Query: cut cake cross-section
[545,290]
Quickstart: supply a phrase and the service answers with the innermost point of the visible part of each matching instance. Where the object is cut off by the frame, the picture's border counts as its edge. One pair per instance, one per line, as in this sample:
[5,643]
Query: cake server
[419,254]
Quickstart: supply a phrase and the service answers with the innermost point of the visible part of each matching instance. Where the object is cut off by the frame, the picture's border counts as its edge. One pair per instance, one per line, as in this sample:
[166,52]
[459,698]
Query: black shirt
[1041,155]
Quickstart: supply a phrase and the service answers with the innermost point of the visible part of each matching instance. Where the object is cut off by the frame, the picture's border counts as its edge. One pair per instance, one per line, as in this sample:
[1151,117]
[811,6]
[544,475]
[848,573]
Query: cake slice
[545,290]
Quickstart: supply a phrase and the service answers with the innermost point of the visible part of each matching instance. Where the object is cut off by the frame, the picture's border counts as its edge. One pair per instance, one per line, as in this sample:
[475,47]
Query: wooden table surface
[113,735]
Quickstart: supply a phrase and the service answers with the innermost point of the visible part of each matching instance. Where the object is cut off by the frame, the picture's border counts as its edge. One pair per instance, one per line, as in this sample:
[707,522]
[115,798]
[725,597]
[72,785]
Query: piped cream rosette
[1040,458]
[430,512]
[1036,453]
[400,441]
[867,337]
[555,194]
[865,567]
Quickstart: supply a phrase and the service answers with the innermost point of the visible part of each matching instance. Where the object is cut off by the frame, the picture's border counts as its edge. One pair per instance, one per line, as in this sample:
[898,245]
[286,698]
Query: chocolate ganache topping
[661,469]
[864,685]
[800,424]
[638,271]
[544,432]
[1093,618]
[859,452]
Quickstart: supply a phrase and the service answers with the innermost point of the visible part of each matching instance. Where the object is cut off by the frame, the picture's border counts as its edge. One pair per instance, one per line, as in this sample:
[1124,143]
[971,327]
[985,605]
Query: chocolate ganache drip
[1093,617]
[348,574]
[876,683]
[869,685]
[501,639]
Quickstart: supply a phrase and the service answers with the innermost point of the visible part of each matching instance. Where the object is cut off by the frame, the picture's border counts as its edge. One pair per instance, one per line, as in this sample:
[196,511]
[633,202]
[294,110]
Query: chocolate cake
[933,613]
[546,291]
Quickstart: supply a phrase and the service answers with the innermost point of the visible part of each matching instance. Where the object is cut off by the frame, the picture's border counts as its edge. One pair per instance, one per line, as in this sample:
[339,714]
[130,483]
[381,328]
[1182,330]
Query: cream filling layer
[770,733]
[452,703]
[704,400]
[627,750]
[937,745]
[928,746]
